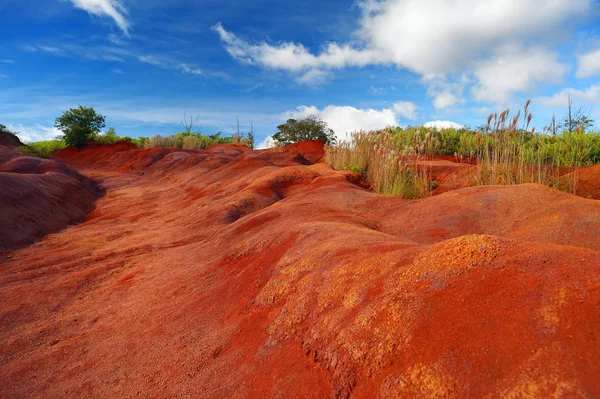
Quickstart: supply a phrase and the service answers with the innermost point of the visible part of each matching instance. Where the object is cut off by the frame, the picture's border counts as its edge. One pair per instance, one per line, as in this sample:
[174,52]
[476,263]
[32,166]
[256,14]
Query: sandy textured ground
[232,273]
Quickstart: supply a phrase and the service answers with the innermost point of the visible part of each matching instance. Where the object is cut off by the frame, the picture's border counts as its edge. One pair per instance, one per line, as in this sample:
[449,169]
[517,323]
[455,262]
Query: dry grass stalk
[391,171]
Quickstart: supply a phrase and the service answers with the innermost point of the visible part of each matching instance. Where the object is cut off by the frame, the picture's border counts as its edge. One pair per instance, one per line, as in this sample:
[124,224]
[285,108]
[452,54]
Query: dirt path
[232,274]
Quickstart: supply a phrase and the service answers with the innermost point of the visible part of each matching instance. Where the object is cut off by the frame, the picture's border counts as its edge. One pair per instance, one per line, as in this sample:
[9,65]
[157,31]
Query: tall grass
[576,148]
[505,151]
[391,171]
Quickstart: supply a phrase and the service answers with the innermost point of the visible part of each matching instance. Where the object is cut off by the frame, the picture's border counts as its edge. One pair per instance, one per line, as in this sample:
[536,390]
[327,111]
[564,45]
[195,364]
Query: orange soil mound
[38,197]
[588,182]
[254,274]
[313,150]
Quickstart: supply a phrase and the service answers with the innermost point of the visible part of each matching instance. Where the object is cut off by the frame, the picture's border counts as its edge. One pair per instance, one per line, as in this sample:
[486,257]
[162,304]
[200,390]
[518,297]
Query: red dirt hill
[235,273]
[38,197]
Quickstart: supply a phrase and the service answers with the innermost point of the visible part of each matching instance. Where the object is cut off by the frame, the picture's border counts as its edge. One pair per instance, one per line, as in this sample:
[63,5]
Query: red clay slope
[233,273]
[38,197]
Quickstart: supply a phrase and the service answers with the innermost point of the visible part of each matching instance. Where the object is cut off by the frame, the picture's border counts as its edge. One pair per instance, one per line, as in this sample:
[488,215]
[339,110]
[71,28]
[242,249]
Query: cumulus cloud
[438,125]
[105,8]
[405,109]
[588,64]
[433,38]
[346,119]
[28,134]
[589,96]
[514,70]
[268,142]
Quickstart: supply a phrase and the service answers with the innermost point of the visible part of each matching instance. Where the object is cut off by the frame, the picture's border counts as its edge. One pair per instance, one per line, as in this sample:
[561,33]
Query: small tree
[576,119]
[79,125]
[188,123]
[309,128]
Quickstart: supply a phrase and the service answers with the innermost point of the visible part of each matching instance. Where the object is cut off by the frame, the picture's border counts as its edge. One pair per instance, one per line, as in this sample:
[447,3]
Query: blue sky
[357,64]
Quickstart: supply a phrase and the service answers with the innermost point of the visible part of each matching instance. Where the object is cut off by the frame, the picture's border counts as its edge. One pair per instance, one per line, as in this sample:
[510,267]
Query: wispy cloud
[96,54]
[115,39]
[49,49]
[165,63]
[29,48]
[106,8]
[7,61]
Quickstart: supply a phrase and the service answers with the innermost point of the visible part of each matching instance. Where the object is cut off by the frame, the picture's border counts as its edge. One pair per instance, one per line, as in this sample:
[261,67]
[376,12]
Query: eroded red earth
[238,273]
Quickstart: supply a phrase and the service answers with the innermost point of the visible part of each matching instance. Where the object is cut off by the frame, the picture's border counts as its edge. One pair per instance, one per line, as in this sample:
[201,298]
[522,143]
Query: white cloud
[514,70]
[588,64]
[292,56]
[435,38]
[446,94]
[268,142]
[381,91]
[7,61]
[405,109]
[589,96]
[314,77]
[105,8]
[445,99]
[29,134]
[396,31]
[443,125]
[345,119]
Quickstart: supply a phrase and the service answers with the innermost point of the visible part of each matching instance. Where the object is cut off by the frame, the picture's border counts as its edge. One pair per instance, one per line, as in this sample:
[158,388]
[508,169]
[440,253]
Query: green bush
[110,137]
[42,149]
[188,141]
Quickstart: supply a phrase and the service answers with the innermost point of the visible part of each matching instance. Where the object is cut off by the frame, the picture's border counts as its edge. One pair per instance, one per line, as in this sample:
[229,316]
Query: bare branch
[188,124]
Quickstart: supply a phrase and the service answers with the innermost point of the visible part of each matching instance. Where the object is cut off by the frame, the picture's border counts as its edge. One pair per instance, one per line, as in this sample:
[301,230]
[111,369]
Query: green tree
[80,125]
[309,128]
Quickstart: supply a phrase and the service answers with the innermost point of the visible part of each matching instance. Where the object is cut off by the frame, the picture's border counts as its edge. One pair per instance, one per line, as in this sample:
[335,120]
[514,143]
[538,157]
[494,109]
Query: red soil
[234,273]
[38,197]
[7,153]
[312,150]
[588,182]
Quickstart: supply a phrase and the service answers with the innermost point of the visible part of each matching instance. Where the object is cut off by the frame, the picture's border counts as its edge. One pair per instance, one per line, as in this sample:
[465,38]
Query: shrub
[189,141]
[110,137]
[42,149]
